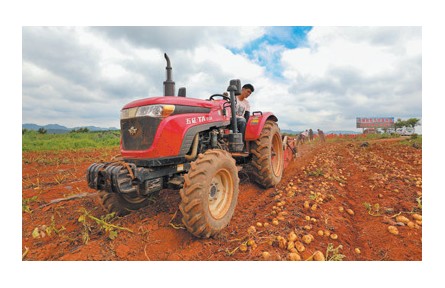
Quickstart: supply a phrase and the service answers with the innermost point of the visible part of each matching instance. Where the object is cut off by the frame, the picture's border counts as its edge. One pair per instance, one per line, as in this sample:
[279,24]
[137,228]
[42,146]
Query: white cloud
[356,71]
[64,67]
[343,72]
[348,47]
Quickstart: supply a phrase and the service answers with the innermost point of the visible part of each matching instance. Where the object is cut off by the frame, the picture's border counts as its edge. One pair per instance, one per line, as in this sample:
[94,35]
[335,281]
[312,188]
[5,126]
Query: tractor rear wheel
[268,155]
[120,203]
[210,193]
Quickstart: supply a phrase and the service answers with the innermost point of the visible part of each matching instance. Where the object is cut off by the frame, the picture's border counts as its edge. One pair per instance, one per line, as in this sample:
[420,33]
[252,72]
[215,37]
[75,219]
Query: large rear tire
[210,192]
[268,155]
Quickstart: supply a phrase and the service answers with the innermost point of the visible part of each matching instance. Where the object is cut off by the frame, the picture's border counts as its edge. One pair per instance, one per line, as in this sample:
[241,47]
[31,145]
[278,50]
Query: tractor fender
[256,123]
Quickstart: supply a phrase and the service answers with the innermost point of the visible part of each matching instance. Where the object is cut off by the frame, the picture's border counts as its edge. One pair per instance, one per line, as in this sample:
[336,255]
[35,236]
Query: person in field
[321,135]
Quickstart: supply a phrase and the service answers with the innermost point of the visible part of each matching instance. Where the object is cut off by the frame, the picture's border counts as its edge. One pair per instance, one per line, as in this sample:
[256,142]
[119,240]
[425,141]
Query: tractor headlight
[157,111]
[128,113]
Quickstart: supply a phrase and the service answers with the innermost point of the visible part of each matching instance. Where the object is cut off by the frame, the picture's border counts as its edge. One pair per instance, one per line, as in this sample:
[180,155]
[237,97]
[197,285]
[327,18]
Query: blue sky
[310,77]
[276,39]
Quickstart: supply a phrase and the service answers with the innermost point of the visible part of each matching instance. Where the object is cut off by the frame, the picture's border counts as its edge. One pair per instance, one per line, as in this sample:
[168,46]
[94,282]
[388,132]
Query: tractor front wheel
[210,193]
[122,204]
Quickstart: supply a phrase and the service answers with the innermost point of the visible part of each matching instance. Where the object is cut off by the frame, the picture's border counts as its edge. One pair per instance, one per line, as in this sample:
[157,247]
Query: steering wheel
[227,98]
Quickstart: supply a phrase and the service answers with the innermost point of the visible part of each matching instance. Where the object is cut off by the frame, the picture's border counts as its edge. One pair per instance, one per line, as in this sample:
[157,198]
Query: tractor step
[240,154]
[176,182]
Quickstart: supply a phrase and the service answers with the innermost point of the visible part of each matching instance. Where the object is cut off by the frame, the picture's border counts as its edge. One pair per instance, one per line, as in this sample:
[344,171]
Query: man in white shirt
[242,108]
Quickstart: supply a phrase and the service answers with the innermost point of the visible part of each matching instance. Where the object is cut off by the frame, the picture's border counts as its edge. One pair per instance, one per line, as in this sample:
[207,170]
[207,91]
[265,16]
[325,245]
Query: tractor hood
[182,101]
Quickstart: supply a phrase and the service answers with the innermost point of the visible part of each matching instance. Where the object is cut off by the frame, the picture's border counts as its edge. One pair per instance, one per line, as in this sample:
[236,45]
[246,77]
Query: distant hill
[59,129]
[94,128]
[287,131]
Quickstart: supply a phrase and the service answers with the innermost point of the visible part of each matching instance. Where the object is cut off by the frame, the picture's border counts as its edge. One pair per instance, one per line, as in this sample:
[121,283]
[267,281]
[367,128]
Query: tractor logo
[132,131]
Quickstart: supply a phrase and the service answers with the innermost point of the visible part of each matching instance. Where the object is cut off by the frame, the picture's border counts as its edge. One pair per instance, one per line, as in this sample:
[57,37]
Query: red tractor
[193,145]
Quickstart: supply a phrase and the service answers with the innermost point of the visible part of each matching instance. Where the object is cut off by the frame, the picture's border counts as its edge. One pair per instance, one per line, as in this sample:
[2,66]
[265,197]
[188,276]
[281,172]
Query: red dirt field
[336,201]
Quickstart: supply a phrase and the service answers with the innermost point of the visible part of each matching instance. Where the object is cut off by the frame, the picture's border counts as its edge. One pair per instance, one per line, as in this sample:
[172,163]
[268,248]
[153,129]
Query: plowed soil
[346,195]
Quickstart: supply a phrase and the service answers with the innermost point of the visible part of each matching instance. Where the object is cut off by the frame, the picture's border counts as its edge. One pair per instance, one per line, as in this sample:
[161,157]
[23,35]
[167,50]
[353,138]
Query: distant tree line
[80,130]
[44,131]
[411,122]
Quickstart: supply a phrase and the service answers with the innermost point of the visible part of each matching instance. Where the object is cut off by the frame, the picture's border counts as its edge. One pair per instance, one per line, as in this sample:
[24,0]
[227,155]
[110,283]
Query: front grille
[138,133]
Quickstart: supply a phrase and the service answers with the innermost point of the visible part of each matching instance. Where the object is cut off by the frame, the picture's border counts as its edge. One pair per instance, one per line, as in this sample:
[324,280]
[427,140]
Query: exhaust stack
[169,84]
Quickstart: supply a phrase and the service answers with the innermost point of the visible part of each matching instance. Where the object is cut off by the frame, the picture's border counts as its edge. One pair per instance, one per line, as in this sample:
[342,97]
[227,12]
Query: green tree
[399,123]
[42,130]
[80,130]
[412,122]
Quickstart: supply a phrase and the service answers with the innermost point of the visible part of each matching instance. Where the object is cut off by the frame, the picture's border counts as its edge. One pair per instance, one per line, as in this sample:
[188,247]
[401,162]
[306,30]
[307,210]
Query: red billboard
[375,122]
